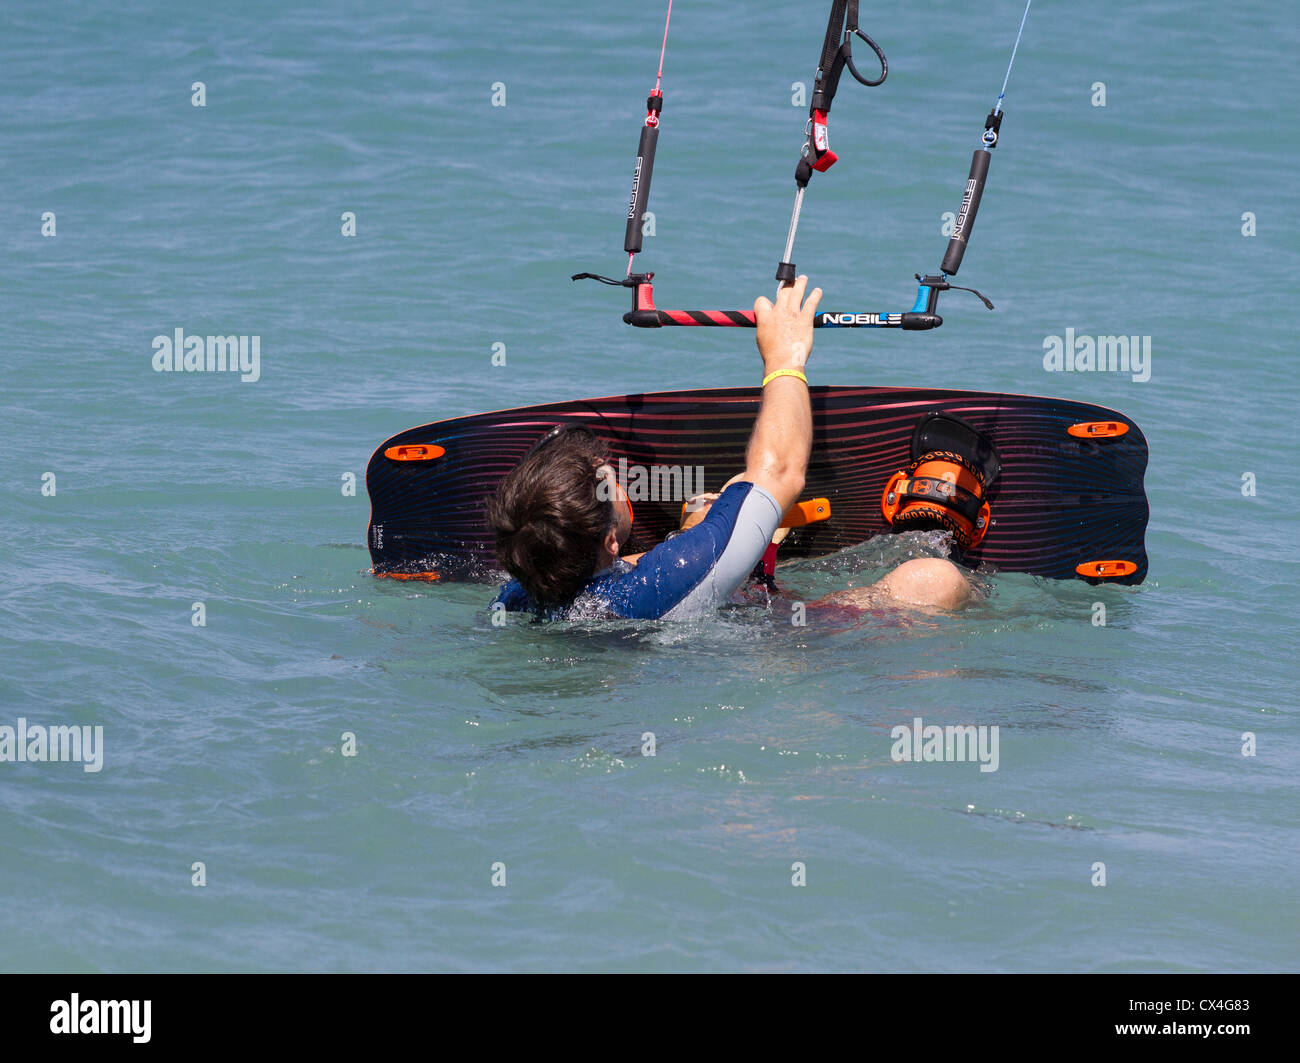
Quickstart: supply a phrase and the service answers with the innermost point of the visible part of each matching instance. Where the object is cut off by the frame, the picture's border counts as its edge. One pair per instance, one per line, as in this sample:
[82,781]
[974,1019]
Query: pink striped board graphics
[1069,503]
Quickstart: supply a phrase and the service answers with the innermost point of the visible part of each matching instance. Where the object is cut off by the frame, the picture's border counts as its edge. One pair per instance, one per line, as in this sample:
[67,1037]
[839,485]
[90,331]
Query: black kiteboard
[1068,502]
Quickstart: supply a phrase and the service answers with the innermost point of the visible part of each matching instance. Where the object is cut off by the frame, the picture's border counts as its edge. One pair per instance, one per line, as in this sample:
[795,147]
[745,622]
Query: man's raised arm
[781,442]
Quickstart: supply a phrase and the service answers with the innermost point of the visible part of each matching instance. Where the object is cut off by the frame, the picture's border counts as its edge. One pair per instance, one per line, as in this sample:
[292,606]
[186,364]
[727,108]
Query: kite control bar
[837,54]
[644,313]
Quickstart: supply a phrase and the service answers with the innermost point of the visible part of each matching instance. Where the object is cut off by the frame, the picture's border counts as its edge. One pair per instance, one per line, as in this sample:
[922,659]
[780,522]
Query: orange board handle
[1105,569]
[809,512]
[1098,429]
[415,452]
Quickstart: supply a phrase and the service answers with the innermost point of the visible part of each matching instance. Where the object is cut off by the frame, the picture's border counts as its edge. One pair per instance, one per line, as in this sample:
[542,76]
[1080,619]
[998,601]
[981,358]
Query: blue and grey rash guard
[688,574]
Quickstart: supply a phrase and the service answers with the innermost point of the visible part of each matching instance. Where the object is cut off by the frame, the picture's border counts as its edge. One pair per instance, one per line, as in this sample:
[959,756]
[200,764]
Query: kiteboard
[1067,503]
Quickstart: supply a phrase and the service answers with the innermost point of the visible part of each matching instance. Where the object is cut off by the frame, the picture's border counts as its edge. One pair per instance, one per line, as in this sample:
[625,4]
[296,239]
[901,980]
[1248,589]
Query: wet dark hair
[549,518]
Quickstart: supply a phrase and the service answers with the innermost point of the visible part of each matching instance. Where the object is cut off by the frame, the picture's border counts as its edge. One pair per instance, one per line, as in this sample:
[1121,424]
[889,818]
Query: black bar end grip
[645,164]
[970,205]
[920,322]
[642,318]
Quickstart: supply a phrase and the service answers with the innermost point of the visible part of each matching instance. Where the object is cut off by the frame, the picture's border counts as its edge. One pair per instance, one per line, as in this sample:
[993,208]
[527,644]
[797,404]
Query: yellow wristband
[783,372]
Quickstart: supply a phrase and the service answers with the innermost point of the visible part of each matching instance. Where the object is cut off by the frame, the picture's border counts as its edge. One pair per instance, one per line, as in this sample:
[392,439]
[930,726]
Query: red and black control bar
[837,55]
[644,313]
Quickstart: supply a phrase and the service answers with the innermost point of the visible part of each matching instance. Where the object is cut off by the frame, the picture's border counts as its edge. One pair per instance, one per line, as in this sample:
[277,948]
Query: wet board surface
[1062,500]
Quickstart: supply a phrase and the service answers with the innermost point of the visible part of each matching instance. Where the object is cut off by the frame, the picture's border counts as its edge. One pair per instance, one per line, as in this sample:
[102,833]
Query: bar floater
[970,200]
[979,168]
[645,165]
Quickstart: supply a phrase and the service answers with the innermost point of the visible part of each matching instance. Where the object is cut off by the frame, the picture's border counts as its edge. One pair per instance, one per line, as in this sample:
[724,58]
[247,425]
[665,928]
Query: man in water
[561,519]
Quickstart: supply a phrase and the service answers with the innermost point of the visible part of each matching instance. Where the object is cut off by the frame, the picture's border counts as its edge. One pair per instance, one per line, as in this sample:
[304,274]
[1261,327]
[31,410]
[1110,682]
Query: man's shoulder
[602,586]
[513,596]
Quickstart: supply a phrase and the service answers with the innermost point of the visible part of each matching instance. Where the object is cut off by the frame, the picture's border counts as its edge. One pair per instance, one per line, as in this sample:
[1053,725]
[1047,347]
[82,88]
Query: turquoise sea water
[1120,745]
